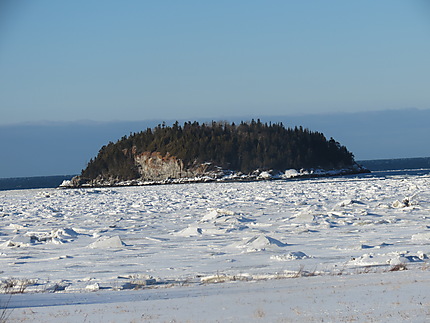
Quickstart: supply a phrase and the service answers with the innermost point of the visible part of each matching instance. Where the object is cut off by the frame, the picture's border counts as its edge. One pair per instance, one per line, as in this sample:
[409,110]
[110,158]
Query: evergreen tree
[244,147]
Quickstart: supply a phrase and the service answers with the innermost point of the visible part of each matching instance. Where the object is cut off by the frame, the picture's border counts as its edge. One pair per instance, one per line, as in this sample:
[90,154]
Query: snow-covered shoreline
[222,176]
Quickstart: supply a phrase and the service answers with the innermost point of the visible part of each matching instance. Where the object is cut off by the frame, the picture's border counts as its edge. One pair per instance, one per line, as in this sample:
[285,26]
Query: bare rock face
[155,167]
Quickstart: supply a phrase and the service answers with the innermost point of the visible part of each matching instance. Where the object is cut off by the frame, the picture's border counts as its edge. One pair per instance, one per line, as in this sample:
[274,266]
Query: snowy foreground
[333,249]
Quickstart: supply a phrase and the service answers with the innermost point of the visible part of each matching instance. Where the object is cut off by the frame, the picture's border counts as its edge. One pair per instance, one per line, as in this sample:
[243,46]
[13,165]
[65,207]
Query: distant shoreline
[229,177]
[396,163]
[53,181]
[34,182]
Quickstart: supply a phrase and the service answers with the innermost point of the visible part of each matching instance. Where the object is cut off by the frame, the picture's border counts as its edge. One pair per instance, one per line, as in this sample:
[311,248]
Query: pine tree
[244,147]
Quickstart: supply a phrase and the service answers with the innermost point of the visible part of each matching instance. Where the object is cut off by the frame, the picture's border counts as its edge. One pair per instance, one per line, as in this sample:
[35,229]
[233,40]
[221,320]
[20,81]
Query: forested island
[215,151]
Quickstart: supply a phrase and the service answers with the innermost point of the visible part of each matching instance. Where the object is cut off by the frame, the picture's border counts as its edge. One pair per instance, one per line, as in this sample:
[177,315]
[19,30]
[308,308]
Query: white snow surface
[285,250]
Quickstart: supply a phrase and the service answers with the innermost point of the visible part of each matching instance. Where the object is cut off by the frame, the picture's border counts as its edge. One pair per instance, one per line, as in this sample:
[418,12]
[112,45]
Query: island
[215,151]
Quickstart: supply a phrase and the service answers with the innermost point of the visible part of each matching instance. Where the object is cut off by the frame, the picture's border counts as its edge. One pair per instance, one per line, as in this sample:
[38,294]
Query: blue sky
[139,60]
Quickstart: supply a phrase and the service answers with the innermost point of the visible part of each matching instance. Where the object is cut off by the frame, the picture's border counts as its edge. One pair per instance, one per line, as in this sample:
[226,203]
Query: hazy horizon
[57,148]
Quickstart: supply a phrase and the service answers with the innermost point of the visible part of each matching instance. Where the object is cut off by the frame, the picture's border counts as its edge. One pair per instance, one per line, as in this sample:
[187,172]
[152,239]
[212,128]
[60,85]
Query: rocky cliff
[153,167]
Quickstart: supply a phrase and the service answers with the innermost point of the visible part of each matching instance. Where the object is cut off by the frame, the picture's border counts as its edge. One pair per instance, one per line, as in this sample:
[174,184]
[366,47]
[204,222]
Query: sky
[139,60]
[65,148]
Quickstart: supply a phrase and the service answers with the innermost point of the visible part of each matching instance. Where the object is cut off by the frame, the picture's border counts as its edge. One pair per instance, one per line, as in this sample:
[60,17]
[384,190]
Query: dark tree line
[244,147]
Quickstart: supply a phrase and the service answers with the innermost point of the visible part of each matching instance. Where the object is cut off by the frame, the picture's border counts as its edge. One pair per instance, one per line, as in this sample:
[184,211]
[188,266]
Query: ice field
[209,237]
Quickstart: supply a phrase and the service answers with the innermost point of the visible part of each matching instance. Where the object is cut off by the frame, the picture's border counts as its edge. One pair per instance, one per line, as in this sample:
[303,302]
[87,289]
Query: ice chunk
[66,233]
[399,204]
[8,244]
[304,217]
[392,258]
[93,287]
[110,242]
[265,175]
[260,242]
[294,255]
[348,202]
[190,231]
[290,173]
[421,236]
[216,214]
[66,183]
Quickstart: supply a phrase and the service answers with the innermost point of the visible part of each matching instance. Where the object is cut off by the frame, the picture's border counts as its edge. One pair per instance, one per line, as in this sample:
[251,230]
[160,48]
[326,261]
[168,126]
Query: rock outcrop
[155,167]
[216,151]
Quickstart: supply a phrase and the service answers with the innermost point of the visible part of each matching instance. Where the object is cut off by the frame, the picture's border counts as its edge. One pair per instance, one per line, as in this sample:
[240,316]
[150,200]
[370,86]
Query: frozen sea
[280,246]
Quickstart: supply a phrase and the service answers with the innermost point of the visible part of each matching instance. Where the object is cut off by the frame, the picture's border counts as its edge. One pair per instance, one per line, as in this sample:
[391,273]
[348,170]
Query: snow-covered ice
[252,236]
